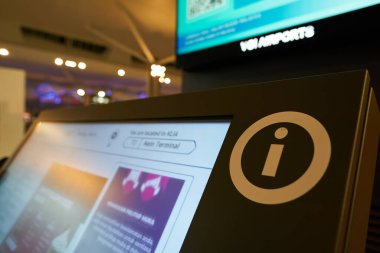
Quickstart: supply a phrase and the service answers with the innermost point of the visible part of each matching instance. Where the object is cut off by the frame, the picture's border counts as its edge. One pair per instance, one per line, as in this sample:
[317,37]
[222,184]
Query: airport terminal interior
[189,126]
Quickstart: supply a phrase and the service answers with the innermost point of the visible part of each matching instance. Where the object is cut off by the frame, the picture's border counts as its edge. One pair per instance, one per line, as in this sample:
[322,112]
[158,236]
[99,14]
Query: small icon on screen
[113,137]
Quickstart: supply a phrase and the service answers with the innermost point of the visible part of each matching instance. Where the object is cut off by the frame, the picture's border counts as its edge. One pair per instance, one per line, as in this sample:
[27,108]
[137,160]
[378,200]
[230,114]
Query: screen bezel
[57,117]
[122,120]
[330,33]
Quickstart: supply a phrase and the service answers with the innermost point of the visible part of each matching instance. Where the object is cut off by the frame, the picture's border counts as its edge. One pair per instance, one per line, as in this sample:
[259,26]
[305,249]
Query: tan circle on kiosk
[315,171]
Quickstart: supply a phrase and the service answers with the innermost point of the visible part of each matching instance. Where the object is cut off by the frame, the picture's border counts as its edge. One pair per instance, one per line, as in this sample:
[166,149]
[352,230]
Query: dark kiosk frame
[331,217]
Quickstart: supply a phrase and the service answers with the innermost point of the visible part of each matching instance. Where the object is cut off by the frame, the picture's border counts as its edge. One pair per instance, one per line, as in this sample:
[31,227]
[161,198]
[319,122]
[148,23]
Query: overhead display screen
[97,187]
[203,24]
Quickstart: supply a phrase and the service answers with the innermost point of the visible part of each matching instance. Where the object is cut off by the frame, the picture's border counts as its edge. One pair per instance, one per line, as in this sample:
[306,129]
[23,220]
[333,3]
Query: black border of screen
[354,29]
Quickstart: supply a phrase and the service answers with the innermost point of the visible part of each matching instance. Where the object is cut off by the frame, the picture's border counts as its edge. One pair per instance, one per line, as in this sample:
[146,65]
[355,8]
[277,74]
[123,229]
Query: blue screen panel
[204,24]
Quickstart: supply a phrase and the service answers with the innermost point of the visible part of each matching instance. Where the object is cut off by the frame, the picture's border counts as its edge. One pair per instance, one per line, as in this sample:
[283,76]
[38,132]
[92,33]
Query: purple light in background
[90,91]
[62,91]
[108,93]
[50,98]
[43,88]
[142,95]
[57,100]
[48,94]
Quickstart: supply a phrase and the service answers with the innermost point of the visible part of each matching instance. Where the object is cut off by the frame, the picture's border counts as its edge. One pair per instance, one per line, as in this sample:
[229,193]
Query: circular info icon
[294,190]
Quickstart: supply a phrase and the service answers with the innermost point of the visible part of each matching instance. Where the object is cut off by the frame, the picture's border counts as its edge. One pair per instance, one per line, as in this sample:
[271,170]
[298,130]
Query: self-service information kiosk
[282,166]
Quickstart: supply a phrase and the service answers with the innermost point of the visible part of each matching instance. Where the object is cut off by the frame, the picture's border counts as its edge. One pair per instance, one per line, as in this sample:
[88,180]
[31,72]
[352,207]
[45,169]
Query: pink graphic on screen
[133,212]
[150,187]
[131,181]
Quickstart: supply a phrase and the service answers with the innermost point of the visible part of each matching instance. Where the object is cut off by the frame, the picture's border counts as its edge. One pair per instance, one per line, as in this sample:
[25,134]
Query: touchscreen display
[107,187]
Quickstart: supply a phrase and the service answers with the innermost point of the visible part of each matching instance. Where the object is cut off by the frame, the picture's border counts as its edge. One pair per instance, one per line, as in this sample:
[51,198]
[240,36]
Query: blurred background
[85,51]
[64,53]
